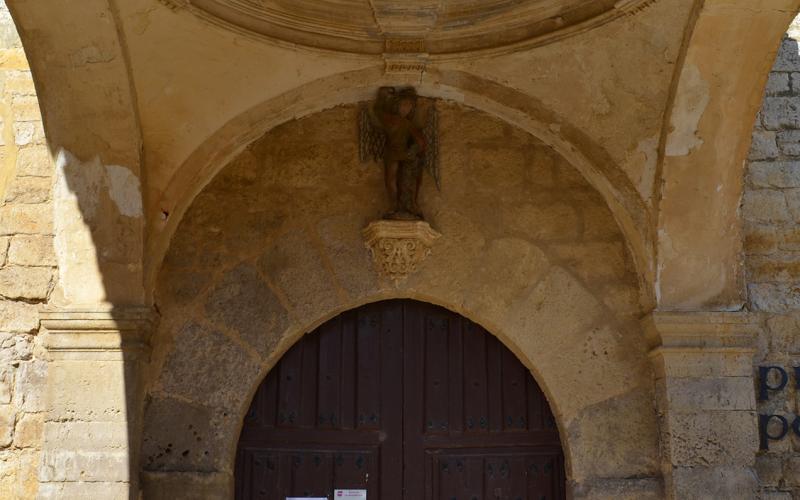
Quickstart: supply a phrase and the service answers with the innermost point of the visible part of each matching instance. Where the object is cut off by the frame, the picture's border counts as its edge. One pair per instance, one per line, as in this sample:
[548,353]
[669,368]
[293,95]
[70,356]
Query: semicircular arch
[511,106]
[244,280]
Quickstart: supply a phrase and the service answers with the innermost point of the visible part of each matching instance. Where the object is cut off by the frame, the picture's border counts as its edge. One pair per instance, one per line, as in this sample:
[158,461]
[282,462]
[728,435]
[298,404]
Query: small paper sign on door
[350,494]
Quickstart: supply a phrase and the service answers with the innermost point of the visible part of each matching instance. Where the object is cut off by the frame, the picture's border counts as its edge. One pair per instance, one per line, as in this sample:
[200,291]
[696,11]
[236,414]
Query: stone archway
[272,248]
[518,109]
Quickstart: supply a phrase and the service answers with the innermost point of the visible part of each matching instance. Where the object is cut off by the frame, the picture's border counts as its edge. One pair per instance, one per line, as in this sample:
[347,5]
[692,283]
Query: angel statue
[400,129]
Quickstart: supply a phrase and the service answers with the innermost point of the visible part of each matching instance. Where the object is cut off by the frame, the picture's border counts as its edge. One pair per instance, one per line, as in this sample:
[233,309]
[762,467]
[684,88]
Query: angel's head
[406,102]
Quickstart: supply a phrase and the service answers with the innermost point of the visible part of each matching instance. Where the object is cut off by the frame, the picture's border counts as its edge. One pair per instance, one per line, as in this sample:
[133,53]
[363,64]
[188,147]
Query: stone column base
[94,402]
[706,403]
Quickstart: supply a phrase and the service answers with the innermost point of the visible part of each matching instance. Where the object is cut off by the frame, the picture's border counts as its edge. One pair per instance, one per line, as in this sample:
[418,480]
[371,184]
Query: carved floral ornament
[436,27]
[399,247]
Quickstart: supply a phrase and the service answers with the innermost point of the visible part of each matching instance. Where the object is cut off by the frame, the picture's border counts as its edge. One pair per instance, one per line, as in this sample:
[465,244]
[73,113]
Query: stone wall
[27,265]
[273,247]
[771,209]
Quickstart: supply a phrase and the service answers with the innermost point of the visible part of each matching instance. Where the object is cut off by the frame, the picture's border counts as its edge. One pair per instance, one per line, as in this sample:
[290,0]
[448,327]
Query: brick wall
[771,209]
[27,265]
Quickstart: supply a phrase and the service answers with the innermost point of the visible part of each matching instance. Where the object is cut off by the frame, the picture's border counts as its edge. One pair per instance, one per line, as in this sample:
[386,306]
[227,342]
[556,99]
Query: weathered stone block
[793,202]
[295,266]
[201,445]
[788,58]
[773,268]
[557,221]
[26,219]
[773,297]
[19,83]
[714,483]
[789,238]
[633,452]
[775,495]
[18,317]
[14,348]
[770,470]
[83,490]
[34,161]
[4,243]
[706,438]
[6,384]
[25,108]
[789,142]
[87,436]
[29,430]
[760,239]
[530,267]
[31,250]
[778,83]
[792,471]
[781,112]
[779,174]
[27,483]
[72,465]
[8,415]
[195,485]
[640,488]
[206,354]
[29,283]
[26,133]
[781,332]
[350,261]
[594,262]
[713,393]
[83,398]
[764,145]
[28,190]
[242,302]
[765,205]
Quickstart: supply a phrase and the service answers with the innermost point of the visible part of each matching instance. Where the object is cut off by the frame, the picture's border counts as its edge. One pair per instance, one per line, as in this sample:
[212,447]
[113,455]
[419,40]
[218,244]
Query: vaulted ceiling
[432,26]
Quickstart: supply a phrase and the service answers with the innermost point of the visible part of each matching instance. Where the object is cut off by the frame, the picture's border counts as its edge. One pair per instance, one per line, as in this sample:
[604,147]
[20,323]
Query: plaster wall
[272,248]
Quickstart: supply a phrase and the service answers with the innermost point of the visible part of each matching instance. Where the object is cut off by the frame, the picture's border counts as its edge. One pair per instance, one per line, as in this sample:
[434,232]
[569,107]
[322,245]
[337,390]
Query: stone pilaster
[94,402]
[706,403]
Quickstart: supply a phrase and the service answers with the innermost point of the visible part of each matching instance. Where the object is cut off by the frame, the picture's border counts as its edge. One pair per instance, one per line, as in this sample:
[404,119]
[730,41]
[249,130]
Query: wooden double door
[407,401]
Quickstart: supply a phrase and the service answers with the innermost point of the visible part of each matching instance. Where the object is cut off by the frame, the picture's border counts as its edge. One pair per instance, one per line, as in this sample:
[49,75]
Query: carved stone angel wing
[430,130]
[372,138]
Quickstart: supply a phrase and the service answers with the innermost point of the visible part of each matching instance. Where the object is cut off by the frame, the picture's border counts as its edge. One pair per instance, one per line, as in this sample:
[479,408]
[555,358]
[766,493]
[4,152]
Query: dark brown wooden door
[406,400]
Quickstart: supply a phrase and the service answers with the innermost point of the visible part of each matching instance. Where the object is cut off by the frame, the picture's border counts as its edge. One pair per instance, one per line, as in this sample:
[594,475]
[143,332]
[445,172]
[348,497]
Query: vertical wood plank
[476,391]
[310,374]
[330,375]
[494,385]
[349,368]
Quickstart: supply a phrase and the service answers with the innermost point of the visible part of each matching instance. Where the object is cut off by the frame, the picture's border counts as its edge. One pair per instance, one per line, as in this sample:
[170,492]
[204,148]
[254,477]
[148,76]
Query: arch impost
[701,331]
[111,333]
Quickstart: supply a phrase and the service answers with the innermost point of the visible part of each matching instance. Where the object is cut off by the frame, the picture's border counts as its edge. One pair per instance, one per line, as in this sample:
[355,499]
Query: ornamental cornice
[111,333]
[701,331]
[444,30]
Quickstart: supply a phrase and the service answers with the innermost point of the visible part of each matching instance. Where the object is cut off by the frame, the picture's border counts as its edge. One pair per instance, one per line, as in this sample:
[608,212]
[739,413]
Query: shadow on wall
[98,222]
[72,242]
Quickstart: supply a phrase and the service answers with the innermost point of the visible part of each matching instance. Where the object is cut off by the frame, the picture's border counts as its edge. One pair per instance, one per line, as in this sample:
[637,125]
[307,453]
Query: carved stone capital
[113,333]
[701,331]
[398,247]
